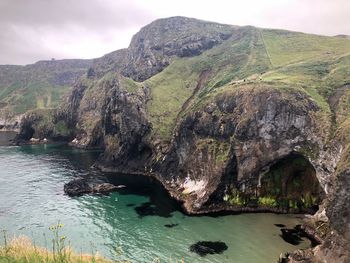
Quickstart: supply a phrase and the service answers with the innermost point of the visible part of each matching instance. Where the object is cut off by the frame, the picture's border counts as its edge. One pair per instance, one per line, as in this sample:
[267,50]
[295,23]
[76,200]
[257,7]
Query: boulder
[77,187]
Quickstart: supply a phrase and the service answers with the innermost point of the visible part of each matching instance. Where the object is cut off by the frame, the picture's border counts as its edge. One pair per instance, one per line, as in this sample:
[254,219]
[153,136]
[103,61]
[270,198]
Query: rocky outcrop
[110,117]
[77,187]
[41,125]
[125,127]
[225,148]
[155,46]
[80,187]
[10,123]
[331,222]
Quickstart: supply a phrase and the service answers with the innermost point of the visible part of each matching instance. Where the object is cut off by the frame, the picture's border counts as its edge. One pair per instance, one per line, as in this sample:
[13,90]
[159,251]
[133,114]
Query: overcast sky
[32,30]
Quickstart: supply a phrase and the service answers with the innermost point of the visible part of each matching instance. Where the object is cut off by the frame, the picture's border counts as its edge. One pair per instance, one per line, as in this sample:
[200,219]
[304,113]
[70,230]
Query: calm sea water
[32,199]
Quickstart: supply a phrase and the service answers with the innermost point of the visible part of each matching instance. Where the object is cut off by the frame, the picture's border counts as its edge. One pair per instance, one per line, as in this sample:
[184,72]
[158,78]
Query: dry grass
[21,249]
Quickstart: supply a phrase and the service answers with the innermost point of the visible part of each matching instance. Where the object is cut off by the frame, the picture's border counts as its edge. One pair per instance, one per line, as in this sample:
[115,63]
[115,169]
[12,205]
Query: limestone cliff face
[125,127]
[157,44]
[228,145]
[105,115]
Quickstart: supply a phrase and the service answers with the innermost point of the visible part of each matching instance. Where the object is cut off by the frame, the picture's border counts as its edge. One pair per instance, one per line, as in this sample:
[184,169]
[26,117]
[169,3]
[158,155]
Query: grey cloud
[325,17]
[16,49]
[93,14]
[31,30]
[23,23]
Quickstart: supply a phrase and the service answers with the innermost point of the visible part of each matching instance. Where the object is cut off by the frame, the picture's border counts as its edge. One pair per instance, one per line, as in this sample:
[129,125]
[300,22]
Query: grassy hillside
[317,65]
[314,64]
[37,86]
[238,57]
[286,47]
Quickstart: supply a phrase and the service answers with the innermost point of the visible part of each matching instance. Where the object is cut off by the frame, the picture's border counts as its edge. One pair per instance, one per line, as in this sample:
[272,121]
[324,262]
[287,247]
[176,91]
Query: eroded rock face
[154,47]
[225,148]
[110,117]
[338,209]
[125,127]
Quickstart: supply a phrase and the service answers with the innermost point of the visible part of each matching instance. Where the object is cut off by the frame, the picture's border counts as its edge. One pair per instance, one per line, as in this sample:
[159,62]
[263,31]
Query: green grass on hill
[169,91]
[235,59]
[286,47]
[314,64]
[318,65]
[19,99]
[37,86]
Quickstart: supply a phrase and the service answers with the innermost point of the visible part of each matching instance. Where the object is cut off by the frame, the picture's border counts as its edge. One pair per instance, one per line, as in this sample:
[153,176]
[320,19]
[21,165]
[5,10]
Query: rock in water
[146,209]
[77,187]
[104,188]
[204,248]
[171,225]
[280,225]
[291,236]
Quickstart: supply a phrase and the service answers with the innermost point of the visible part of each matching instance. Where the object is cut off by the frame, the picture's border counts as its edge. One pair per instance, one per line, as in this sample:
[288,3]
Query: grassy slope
[314,64]
[285,47]
[37,86]
[319,64]
[232,60]
[42,95]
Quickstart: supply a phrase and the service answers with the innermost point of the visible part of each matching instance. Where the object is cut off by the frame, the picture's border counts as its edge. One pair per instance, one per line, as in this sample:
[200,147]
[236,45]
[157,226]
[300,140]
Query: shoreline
[220,210]
[214,211]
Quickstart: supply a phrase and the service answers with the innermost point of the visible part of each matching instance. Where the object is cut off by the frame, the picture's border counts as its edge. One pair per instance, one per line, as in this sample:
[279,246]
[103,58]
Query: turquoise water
[32,199]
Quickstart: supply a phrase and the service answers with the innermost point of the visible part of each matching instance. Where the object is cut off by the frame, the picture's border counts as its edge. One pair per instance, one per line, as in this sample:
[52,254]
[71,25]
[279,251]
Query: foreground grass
[22,250]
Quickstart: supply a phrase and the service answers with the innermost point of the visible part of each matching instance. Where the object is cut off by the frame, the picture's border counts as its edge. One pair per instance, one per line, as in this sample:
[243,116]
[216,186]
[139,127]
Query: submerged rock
[149,209]
[171,225]
[279,225]
[295,236]
[204,248]
[291,236]
[146,209]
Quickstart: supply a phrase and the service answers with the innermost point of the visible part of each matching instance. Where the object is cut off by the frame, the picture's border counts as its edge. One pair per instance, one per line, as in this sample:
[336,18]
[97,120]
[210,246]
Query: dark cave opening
[290,183]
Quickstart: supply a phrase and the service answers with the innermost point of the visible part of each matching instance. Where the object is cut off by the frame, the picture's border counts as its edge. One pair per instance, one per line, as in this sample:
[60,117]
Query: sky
[32,30]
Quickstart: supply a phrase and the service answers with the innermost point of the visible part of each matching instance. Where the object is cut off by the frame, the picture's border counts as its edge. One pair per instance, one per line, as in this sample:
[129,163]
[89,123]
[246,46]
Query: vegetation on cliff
[37,86]
[213,111]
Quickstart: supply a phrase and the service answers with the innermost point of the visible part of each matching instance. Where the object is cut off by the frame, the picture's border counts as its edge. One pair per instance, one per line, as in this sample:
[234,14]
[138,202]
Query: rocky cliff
[157,44]
[229,151]
[227,118]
